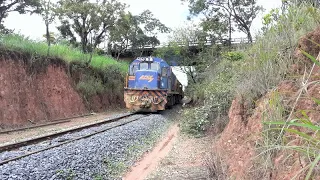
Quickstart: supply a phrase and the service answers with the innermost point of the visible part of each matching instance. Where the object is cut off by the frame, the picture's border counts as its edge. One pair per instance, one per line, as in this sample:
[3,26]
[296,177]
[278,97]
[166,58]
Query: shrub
[215,96]
[196,120]
[90,86]
[233,56]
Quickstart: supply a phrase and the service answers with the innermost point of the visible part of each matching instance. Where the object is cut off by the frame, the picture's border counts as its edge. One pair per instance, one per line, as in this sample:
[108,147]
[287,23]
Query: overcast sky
[170,12]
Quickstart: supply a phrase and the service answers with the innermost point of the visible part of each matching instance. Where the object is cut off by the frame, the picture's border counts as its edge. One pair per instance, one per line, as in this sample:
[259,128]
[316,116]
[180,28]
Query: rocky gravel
[102,156]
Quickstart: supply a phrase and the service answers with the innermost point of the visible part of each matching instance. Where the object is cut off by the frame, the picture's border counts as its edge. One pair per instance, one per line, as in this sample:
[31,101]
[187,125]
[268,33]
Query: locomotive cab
[146,75]
[150,85]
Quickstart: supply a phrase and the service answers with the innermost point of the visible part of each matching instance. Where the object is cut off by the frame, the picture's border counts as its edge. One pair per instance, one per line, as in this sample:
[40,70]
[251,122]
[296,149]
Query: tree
[180,48]
[136,32]
[240,12]
[48,14]
[81,18]
[287,3]
[20,6]
[124,33]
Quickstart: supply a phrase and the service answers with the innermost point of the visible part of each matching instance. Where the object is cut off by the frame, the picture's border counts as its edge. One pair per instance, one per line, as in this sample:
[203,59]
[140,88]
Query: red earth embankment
[239,141]
[31,93]
[39,96]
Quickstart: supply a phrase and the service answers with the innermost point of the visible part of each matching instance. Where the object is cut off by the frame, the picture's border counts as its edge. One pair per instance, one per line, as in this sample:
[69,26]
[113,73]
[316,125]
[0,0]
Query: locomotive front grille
[145,99]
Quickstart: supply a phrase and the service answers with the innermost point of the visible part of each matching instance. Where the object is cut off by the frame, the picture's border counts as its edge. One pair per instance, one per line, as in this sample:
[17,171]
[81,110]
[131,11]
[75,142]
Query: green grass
[68,54]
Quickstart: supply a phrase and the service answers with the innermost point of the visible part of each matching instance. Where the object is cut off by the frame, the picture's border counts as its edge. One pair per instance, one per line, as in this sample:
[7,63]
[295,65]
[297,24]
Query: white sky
[170,12]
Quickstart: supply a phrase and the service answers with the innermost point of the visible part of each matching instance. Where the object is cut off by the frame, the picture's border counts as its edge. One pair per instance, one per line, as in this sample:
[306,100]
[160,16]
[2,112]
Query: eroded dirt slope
[239,140]
[36,97]
[41,89]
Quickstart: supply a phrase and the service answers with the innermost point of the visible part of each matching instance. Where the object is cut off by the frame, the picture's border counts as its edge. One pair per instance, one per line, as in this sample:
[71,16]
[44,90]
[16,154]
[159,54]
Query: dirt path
[175,157]
[148,163]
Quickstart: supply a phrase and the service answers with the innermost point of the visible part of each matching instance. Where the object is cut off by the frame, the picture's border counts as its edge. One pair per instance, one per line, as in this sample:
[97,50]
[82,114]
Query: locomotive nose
[146,79]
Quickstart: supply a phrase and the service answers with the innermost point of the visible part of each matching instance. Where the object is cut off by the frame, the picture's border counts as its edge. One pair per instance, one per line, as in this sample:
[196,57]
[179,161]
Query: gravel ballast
[101,156]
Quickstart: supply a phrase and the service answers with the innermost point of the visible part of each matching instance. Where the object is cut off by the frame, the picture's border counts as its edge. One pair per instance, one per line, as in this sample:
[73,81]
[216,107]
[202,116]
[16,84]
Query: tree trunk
[230,28]
[249,36]
[84,36]
[118,55]
[48,38]
[142,51]
[83,44]
[248,32]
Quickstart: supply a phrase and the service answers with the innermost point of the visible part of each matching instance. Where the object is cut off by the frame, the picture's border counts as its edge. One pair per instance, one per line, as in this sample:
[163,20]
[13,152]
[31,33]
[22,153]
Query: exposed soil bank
[43,91]
[239,140]
[42,96]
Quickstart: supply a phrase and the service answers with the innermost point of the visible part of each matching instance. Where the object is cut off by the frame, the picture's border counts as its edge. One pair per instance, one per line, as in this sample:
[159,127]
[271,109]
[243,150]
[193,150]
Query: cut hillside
[39,88]
[263,144]
[262,101]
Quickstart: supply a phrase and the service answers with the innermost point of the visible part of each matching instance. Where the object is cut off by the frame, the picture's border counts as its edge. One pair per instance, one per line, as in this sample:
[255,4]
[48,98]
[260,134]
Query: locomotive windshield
[143,66]
[155,66]
[133,69]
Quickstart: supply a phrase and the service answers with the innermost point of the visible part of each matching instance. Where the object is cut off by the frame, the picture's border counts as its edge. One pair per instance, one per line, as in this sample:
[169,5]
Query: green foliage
[170,53]
[68,54]
[90,86]
[283,132]
[89,20]
[115,168]
[196,120]
[233,56]
[268,60]
[21,6]
[136,31]
[66,174]
[251,72]
[214,97]
[103,75]
[217,13]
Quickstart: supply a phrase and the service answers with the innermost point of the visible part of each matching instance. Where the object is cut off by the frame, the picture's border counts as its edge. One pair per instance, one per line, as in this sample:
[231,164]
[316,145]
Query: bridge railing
[206,43]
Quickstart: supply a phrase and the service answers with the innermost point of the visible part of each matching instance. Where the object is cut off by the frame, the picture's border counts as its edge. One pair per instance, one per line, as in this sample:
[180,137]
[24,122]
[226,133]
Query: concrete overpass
[193,47]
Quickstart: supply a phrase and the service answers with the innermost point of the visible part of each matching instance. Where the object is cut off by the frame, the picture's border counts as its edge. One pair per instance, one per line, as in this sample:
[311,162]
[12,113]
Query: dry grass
[216,167]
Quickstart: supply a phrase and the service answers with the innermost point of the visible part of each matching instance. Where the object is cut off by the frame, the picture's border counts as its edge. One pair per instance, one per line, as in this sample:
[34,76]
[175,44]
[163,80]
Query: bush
[215,96]
[196,120]
[90,86]
[233,56]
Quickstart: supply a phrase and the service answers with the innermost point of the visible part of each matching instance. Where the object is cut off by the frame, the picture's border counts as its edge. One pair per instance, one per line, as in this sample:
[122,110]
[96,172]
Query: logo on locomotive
[148,78]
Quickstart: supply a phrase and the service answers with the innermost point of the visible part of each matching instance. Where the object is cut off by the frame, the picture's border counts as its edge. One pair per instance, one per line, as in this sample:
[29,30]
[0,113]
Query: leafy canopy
[136,31]
[88,21]
[220,13]
[20,6]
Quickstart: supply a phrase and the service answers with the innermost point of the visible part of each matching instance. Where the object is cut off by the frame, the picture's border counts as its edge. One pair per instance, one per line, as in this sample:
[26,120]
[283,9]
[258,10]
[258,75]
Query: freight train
[151,85]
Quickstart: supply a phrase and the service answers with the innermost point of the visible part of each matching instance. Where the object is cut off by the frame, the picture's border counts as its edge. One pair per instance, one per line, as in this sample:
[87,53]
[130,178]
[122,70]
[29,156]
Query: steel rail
[32,127]
[72,140]
[53,122]
[55,134]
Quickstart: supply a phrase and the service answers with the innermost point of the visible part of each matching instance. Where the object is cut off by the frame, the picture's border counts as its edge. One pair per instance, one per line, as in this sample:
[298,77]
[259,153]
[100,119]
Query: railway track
[13,146]
[53,122]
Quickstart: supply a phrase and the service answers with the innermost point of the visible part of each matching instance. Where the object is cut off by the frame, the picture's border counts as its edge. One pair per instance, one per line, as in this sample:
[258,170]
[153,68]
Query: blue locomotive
[151,85]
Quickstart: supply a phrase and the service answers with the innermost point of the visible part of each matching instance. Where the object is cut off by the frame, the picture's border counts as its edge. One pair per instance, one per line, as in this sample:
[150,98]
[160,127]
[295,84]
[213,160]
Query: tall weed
[300,134]
[268,61]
